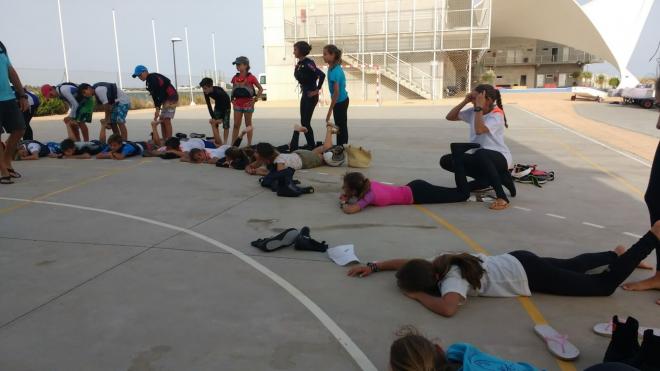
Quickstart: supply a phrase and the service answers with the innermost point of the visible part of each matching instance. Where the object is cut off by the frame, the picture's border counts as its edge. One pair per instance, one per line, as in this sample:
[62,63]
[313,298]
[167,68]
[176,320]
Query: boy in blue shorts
[115,103]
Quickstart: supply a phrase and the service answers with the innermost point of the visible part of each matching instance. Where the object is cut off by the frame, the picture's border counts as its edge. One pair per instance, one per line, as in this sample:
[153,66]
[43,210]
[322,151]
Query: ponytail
[498,102]
[470,266]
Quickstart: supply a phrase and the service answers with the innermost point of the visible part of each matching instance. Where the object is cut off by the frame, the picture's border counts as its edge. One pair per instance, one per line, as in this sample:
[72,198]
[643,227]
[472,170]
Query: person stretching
[443,285]
[489,165]
[368,192]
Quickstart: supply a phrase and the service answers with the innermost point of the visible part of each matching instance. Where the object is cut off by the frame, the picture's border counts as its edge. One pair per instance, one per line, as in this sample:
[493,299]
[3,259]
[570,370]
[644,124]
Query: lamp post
[175,40]
[192,98]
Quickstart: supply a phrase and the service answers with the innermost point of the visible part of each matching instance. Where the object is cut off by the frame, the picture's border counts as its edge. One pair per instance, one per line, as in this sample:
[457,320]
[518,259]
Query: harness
[242,89]
[44,150]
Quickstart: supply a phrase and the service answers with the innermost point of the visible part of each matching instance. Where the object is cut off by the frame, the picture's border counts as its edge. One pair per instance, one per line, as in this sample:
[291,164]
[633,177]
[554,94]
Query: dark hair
[358,183]
[420,275]
[67,144]
[493,94]
[239,157]
[173,143]
[414,352]
[334,50]
[193,152]
[206,82]
[115,138]
[81,87]
[267,151]
[303,47]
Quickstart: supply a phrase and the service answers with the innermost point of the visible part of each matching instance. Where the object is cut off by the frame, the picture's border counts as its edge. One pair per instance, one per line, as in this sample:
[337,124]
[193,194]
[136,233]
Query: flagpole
[192,100]
[114,27]
[215,64]
[66,66]
[153,30]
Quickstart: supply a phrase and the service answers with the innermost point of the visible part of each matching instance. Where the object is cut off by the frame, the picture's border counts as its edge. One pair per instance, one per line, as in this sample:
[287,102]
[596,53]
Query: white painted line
[555,216]
[593,225]
[353,350]
[632,235]
[522,208]
[634,158]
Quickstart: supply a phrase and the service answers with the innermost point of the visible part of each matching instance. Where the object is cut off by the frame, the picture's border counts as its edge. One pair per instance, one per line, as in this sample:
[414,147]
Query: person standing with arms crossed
[310,78]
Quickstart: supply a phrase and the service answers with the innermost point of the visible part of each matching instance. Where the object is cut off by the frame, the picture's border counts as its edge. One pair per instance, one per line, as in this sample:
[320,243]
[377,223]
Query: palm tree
[614,82]
[600,79]
[488,77]
[586,76]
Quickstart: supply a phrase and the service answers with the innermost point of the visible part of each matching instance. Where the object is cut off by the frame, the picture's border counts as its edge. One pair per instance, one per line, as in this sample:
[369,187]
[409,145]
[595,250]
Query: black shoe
[507,182]
[624,344]
[284,239]
[648,357]
[306,243]
[181,135]
[197,135]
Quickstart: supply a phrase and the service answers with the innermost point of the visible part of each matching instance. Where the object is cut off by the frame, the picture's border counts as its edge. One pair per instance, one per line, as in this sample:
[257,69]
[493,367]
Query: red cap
[45,90]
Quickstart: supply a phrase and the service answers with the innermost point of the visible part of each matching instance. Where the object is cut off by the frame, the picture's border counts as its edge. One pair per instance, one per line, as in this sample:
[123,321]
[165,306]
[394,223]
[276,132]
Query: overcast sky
[30,31]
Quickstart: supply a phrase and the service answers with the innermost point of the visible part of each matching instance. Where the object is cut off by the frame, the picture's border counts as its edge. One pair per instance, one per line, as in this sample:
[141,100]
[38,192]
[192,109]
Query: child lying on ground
[267,155]
[368,192]
[33,150]
[117,149]
[70,149]
[412,351]
[212,155]
[443,285]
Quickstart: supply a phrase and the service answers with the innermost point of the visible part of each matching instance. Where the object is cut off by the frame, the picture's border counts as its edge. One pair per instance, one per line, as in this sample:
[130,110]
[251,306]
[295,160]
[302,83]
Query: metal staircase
[409,76]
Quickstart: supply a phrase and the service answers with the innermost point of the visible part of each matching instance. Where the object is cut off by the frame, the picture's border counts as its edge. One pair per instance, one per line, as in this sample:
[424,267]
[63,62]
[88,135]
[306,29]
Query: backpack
[529,174]
[242,89]
[112,91]
[44,150]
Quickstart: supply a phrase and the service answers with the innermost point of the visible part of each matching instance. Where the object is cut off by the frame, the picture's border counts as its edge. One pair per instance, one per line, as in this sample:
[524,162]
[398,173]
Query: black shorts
[11,117]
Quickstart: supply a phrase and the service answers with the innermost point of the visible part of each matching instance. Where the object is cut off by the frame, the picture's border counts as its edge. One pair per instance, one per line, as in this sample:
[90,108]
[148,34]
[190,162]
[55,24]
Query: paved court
[630,117]
[145,264]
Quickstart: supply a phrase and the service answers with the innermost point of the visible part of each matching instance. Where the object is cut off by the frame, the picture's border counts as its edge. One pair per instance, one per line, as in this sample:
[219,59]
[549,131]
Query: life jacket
[138,148]
[111,91]
[3,50]
[58,88]
[44,150]
[242,89]
[35,99]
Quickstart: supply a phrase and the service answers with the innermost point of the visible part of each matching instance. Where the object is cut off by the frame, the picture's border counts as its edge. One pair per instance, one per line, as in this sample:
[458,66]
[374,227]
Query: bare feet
[647,284]
[619,250]
[499,204]
[334,128]
[245,131]
[300,128]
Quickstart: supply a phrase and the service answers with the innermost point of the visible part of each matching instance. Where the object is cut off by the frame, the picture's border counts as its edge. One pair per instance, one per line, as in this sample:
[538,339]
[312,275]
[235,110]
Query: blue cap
[138,70]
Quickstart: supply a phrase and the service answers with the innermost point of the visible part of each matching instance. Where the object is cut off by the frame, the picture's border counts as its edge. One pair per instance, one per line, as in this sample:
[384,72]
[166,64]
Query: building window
[499,77]
[549,76]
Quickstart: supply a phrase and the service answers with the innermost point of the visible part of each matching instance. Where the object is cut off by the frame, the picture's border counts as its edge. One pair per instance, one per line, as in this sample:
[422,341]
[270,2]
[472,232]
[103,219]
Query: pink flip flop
[557,343]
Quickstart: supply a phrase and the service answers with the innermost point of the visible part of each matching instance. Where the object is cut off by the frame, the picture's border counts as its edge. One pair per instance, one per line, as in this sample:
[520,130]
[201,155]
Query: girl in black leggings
[457,276]
[488,166]
[367,192]
[652,198]
[310,78]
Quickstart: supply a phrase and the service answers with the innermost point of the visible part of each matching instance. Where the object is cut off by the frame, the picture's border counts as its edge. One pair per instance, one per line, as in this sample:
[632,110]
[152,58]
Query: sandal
[197,135]
[14,174]
[499,204]
[6,180]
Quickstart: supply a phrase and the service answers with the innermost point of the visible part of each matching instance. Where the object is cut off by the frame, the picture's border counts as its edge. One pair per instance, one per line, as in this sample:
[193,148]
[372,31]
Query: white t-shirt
[504,277]
[33,148]
[217,152]
[66,93]
[102,94]
[187,145]
[291,160]
[494,139]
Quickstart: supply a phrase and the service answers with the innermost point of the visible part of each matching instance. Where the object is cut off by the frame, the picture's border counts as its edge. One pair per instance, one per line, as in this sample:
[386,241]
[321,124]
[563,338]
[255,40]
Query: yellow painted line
[73,186]
[527,304]
[631,187]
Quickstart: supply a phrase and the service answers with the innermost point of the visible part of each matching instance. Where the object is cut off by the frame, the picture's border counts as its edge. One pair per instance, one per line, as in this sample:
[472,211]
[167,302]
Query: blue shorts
[119,113]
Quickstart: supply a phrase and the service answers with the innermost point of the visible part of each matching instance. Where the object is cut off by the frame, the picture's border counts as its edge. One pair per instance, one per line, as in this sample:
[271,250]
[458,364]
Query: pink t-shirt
[384,194]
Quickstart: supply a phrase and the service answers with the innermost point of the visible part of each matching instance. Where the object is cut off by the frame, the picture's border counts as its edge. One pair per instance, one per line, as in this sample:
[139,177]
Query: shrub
[614,82]
[51,107]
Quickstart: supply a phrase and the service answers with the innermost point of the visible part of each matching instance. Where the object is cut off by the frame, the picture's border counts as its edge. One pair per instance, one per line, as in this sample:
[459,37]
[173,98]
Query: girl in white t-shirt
[444,284]
[489,165]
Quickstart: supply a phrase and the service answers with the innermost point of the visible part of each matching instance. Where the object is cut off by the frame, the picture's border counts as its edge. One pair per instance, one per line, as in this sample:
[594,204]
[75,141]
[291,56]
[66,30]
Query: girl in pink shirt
[368,192]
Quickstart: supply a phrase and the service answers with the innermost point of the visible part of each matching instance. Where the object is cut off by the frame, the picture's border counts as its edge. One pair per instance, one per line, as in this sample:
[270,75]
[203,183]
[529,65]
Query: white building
[430,49]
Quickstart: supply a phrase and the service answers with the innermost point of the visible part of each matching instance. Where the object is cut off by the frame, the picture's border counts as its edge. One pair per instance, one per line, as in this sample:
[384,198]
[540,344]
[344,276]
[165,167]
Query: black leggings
[307,106]
[27,117]
[487,168]
[427,193]
[568,276]
[340,113]
[652,196]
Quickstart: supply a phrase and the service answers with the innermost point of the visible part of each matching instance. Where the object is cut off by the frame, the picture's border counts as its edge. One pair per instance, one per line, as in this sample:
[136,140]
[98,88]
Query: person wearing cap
[11,118]
[164,95]
[68,92]
[243,96]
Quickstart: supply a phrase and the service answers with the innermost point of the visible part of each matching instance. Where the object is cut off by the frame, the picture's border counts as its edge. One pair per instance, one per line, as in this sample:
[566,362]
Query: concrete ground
[145,264]
[630,117]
